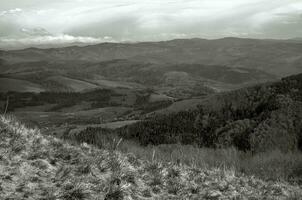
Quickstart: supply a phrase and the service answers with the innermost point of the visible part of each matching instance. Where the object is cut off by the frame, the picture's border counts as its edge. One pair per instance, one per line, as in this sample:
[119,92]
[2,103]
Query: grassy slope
[33,166]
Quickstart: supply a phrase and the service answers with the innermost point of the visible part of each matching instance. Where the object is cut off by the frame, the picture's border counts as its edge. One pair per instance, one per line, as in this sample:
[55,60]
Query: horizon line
[83,44]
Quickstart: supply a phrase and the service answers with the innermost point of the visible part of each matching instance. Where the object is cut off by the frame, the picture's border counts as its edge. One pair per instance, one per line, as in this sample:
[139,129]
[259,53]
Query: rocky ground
[38,167]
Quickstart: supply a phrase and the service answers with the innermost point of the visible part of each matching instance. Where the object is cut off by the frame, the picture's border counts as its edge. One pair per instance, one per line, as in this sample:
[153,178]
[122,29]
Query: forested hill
[259,118]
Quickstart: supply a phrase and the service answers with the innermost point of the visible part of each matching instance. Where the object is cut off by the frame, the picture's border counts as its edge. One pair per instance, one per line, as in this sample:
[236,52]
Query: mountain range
[181,68]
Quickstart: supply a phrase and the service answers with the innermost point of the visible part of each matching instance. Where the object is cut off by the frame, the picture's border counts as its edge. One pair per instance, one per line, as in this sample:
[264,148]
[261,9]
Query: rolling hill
[179,81]
[278,57]
[181,68]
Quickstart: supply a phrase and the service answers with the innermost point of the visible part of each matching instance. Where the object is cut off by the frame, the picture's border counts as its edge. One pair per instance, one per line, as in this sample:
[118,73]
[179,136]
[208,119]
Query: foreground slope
[33,166]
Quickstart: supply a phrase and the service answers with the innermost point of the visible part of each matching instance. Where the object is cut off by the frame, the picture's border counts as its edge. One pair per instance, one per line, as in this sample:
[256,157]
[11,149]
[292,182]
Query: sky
[25,23]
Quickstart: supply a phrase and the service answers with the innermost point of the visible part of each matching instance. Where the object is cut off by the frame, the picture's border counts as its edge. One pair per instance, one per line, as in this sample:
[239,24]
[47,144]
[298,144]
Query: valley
[112,82]
[168,73]
[214,97]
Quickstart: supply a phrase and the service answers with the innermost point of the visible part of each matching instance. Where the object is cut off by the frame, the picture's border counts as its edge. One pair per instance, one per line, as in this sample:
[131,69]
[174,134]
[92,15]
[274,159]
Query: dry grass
[49,168]
[274,165]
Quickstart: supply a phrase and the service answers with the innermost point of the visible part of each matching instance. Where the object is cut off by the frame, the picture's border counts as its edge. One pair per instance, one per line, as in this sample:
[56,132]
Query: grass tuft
[73,192]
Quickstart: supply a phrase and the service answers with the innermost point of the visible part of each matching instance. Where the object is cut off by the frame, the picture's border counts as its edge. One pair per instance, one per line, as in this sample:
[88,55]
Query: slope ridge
[35,166]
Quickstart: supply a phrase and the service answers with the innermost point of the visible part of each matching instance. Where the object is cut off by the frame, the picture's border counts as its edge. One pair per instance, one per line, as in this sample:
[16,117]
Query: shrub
[73,192]
[236,134]
[277,132]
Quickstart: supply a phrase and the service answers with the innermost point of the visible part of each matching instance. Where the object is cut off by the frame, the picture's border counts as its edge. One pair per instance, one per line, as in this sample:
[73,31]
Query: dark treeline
[99,98]
[259,118]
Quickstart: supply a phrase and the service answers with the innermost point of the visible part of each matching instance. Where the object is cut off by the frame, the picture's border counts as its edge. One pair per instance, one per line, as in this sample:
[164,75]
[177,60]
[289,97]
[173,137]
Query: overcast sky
[35,22]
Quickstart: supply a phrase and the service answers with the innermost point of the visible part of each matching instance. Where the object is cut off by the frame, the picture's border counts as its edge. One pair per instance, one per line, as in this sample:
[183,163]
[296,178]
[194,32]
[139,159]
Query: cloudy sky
[44,22]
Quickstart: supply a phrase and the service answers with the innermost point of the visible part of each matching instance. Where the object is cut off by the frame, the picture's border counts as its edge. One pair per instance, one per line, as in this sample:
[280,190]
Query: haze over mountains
[193,67]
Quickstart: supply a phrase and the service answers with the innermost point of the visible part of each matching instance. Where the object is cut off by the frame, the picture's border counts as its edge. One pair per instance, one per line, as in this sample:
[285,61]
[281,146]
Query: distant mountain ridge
[181,68]
[278,57]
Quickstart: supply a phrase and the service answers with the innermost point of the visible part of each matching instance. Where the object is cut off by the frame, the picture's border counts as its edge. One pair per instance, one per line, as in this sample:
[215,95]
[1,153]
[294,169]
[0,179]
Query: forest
[257,119]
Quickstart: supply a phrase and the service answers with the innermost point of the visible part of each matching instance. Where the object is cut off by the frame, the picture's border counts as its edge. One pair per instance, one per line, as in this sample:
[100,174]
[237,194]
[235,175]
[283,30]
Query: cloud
[49,40]
[35,31]
[10,12]
[137,20]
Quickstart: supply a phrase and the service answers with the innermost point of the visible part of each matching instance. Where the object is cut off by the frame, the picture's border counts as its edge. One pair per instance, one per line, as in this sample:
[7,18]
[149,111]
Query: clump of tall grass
[72,191]
[273,165]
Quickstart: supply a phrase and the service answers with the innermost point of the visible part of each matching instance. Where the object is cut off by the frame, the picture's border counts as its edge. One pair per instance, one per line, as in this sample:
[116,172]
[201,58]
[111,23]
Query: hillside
[34,166]
[257,119]
[177,80]
[9,84]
